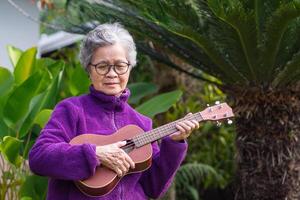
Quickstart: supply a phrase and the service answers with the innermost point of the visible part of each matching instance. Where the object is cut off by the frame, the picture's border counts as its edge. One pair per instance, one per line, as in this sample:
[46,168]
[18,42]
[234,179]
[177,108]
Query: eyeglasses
[103,68]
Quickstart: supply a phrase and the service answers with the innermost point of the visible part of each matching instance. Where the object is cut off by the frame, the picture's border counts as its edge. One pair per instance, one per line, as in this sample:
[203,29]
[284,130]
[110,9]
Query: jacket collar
[110,102]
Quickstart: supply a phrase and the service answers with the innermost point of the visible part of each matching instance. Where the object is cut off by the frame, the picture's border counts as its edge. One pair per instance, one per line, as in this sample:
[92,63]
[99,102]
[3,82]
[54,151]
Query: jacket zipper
[113,120]
[113,114]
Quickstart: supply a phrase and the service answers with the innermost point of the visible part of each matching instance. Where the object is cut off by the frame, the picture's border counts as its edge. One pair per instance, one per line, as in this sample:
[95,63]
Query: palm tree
[250,49]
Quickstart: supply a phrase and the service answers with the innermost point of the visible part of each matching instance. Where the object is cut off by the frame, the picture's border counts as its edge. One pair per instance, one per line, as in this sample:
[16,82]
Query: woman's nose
[111,72]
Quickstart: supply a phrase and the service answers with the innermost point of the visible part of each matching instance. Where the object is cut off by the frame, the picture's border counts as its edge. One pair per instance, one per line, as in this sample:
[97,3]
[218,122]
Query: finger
[118,171]
[126,163]
[186,127]
[121,143]
[122,167]
[180,128]
[196,123]
[130,161]
[190,124]
[188,115]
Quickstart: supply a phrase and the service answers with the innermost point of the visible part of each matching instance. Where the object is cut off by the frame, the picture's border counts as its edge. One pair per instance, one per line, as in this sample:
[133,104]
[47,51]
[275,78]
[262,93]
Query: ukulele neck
[162,131]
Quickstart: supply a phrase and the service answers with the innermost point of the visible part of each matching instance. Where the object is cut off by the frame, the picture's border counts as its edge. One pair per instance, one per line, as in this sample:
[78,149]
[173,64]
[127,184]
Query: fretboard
[162,131]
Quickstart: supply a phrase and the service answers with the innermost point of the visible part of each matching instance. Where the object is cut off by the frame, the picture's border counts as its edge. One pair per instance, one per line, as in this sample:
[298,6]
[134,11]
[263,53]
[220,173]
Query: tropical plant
[190,177]
[252,48]
[27,96]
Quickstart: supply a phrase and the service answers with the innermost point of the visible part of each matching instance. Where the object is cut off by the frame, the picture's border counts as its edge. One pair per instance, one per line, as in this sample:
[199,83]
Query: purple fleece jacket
[98,113]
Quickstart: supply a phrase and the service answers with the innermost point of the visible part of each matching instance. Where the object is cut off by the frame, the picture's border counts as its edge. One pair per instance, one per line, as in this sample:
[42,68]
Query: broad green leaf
[34,187]
[4,129]
[25,66]
[44,100]
[44,62]
[42,118]
[14,54]
[159,104]
[6,85]
[140,90]
[79,81]
[10,148]
[6,80]
[17,104]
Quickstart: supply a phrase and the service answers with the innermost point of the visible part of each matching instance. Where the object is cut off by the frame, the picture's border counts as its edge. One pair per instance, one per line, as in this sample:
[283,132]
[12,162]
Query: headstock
[217,112]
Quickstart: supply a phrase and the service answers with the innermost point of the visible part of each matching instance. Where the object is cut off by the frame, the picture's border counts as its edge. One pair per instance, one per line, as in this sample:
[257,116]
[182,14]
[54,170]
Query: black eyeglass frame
[111,66]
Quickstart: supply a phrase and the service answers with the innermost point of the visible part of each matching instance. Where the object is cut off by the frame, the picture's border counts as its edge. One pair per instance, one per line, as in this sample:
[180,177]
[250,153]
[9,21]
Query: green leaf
[18,102]
[193,192]
[4,129]
[6,85]
[159,104]
[79,81]
[10,148]
[290,71]
[275,29]
[6,80]
[14,54]
[34,187]
[243,21]
[25,66]
[42,118]
[140,90]
[45,99]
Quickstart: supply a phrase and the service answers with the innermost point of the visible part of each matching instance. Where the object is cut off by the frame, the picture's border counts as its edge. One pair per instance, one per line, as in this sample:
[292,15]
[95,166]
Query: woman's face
[110,83]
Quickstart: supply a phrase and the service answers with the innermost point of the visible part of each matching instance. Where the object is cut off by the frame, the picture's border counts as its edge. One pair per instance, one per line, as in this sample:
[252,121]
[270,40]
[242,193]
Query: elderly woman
[108,54]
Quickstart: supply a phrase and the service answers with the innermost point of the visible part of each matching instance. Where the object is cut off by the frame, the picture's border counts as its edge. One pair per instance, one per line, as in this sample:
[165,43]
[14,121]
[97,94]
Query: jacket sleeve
[165,162]
[53,156]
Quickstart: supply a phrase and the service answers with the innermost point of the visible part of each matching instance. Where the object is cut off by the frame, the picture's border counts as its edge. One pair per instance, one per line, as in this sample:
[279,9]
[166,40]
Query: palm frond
[195,174]
[200,32]
[155,34]
[236,41]
[290,45]
[276,26]
[290,72]
[243,21]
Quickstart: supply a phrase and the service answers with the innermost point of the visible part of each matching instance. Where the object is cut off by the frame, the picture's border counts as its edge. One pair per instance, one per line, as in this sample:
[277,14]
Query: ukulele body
[104,180]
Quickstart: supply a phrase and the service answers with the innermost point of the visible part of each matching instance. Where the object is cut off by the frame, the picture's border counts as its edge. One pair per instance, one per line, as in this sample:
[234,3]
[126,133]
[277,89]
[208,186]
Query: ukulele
[138,147]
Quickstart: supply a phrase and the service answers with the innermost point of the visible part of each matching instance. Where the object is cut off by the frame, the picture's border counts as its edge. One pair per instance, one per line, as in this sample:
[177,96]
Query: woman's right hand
[115,158]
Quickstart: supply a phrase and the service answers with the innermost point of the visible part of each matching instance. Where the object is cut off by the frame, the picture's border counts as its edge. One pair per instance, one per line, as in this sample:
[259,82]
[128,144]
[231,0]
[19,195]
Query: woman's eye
[101,66]
[121,65]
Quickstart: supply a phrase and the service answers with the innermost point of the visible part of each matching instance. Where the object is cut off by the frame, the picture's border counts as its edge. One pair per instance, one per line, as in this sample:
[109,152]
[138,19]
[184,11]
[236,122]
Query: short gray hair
[104,35]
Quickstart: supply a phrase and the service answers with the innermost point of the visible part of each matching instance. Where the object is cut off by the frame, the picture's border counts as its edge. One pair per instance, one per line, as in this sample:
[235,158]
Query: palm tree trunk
[268,143]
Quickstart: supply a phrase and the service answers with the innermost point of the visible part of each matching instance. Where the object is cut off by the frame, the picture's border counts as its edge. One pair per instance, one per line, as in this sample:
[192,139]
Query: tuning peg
[219,123]
[229,121]
[217,102]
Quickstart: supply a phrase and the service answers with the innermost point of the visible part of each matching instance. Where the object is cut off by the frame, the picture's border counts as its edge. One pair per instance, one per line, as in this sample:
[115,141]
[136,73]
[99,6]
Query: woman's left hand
[185,129]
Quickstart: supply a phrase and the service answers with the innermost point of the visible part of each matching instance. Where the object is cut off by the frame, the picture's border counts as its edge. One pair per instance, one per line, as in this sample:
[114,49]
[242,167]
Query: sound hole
[129,146]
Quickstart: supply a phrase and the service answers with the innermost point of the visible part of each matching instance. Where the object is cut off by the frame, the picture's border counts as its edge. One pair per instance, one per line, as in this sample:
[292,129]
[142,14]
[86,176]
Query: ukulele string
[128,145]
